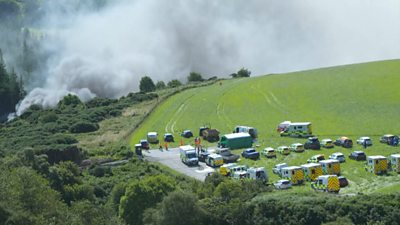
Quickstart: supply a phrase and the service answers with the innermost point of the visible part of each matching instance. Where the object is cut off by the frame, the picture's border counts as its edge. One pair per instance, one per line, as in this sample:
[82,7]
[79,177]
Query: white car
[282,184]
[327,143]
[365,140]
[338,156]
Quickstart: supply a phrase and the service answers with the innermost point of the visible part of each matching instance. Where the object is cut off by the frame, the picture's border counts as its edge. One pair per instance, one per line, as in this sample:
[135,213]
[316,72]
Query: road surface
[171,159]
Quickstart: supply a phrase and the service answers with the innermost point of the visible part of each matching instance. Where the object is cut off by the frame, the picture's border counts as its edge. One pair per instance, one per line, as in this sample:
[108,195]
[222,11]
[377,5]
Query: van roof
[152,133]
[326,176]
[329,161]
[237,135]
[376,157]
[300,124]
[291,168]
[214,155]
[309,165]
[186,147]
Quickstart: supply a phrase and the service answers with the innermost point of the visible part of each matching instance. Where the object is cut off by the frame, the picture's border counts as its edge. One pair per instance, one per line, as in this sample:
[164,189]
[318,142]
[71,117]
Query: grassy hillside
[354,100]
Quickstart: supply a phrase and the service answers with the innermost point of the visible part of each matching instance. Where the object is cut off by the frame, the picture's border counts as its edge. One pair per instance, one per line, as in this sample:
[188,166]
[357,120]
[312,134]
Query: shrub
[48,117]
[83,127]
[174,83]
[195,77]
[147,85]
[160,85]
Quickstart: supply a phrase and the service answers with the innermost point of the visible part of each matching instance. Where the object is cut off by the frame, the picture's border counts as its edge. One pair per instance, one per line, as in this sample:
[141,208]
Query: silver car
[282,184]
[338,156]
[364,141]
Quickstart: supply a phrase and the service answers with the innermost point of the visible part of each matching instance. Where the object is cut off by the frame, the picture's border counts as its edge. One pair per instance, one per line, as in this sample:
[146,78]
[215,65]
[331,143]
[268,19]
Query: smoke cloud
[106,52]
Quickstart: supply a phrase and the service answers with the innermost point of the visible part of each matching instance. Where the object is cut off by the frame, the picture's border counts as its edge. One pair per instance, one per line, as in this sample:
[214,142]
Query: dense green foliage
[11,90]
[174,83]
[195,77]
[241,73]
[50,131]
[146,85]
[160,85]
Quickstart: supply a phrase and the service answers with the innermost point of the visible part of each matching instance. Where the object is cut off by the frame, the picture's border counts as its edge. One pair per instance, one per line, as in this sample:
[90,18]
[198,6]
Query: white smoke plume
[105,53]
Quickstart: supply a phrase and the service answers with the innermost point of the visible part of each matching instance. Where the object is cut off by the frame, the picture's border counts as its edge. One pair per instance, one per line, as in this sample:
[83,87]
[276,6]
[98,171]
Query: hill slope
[354,100]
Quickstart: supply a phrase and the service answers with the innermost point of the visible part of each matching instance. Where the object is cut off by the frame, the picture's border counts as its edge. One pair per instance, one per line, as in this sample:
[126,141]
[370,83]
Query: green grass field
[354,100]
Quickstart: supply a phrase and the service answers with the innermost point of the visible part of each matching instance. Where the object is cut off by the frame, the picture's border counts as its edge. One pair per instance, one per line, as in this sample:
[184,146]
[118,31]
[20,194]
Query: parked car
[312,143]
[284,150]
[187,134]
[345,142]
[204,153]
[297,147]
[269,152]
[316,158]
[152,137]
[227,155]
[343,182]
[145,144]
[364,141]
[327,143]
[282,184]
[389,139]
[358,155]
[250,153]
[168,137]
[338,156]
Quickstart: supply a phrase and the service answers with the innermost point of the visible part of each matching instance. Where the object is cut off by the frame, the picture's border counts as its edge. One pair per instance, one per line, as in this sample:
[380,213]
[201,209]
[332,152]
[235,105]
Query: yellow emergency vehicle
[330,167]
[312,171]
[395,162]
[293,173]
[326,183]
[376,164]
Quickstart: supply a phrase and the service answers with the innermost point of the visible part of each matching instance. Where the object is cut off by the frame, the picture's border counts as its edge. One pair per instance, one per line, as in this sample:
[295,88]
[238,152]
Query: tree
[174,83]
[143,194]
[241,73]
[178,208]
[146,85]
[195,77]
[160,85]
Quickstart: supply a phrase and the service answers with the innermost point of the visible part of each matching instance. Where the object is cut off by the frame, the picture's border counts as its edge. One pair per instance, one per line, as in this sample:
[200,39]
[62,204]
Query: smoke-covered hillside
[103,49]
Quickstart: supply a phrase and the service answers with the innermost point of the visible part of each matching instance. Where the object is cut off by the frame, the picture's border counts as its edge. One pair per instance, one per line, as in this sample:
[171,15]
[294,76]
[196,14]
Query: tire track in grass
[268,100]
[283,107]
[175,118]
[180,112]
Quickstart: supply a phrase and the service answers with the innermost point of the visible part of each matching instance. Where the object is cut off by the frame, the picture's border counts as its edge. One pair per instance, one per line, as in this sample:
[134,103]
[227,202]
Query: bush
[69,100]
[97,102]
[146,85]
[195,77]
[48,117]
[160,85]
[83,127]
[174,83]
[100,171]
[241,73]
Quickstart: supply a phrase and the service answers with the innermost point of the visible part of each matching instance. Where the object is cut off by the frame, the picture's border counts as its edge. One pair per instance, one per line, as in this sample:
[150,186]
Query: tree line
[11,89]
[147,84]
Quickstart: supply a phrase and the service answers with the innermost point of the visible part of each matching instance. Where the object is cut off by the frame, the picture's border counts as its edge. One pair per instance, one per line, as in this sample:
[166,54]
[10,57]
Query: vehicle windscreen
[191,155]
